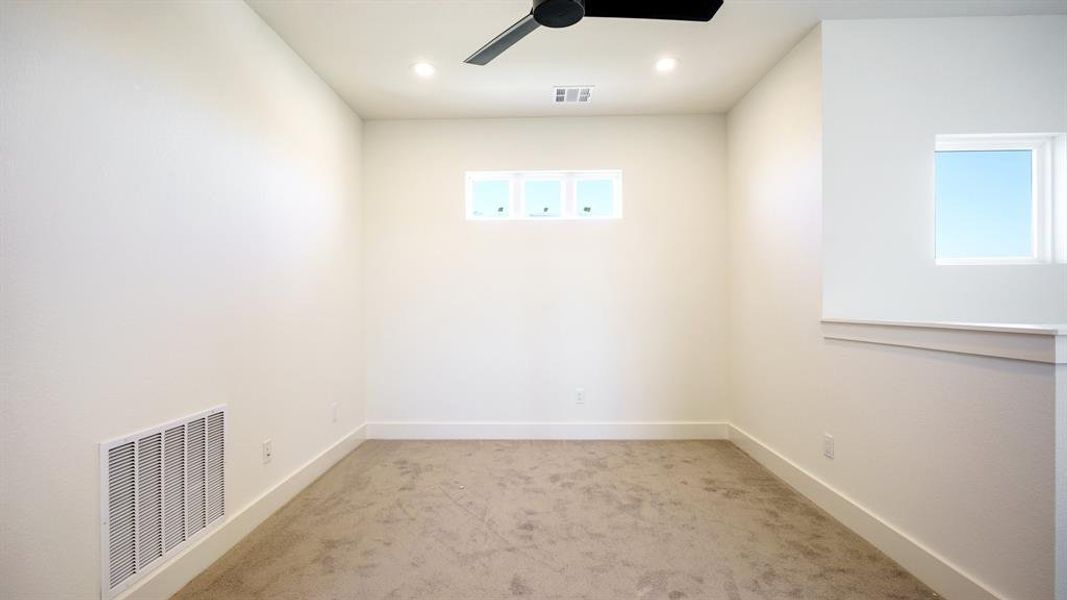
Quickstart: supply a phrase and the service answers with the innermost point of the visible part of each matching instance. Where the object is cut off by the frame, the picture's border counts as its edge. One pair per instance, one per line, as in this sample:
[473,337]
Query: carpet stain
[518,587]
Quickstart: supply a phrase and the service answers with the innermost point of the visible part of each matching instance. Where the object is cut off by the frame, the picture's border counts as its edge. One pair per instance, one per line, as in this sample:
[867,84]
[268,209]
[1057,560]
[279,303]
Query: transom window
[996,199]
[544,195]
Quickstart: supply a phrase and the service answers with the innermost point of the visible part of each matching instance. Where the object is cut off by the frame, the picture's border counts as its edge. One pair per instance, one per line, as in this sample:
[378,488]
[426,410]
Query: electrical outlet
[579,396]
[335,411]
[828,446]
[268,451]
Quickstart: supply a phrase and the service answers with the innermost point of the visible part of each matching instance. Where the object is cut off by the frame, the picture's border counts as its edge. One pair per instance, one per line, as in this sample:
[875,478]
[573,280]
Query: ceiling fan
[564,13]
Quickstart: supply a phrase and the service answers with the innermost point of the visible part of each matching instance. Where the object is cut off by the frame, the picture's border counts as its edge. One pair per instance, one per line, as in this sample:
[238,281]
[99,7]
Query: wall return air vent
[160,489]
[574,95]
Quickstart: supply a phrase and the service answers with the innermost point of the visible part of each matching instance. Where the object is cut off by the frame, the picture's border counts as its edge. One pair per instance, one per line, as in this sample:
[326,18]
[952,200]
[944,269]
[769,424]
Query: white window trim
[1049,209]
[616,187]
[488,176]
[564,194]
[569,205]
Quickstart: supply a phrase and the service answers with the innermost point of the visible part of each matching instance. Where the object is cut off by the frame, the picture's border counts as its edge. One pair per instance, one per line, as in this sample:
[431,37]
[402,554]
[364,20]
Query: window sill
[1043,343]
[990,262]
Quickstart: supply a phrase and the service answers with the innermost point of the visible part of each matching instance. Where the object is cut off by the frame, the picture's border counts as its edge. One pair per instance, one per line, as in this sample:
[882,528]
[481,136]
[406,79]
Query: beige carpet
[603,520]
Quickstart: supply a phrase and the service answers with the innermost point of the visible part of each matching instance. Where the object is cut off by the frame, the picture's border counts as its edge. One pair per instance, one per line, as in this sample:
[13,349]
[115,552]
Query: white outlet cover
[268,451]
[579,396]
[828,445]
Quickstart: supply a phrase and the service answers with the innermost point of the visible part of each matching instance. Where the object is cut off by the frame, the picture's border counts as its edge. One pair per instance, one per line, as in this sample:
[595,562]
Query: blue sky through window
[595,198]
[984,204]
[491,198]
[543,198]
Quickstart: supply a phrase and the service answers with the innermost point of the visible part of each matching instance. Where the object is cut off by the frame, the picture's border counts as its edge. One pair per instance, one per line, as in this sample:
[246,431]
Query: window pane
[595,198]
[984,204]
[490,198]
[543,197]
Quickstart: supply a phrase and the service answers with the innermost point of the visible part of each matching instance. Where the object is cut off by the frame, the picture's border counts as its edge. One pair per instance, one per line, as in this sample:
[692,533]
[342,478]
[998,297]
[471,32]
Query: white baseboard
[947,579]
[490,430]
[171,577]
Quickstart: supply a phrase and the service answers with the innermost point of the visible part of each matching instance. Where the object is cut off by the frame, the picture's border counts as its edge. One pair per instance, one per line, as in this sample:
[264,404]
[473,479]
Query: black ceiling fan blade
[503,41]
[676,10]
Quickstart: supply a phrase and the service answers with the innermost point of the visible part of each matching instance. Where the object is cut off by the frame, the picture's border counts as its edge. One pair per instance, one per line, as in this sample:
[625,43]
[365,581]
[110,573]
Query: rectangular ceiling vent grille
[160,489]
[574,94]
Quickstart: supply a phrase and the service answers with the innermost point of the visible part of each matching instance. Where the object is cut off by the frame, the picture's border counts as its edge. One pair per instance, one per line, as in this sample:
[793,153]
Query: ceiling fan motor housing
[558,13]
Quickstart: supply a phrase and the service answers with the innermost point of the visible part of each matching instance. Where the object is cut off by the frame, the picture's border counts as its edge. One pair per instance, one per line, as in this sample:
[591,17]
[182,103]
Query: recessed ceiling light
[424,69]
[666,64]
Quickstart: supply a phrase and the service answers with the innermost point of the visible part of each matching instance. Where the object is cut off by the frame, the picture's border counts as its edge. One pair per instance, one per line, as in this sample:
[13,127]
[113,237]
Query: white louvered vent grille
[574,94]
[160,489]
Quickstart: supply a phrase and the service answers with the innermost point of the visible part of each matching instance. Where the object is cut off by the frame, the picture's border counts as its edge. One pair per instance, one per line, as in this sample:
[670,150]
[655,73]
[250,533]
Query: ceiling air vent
[573,95]
[160,489]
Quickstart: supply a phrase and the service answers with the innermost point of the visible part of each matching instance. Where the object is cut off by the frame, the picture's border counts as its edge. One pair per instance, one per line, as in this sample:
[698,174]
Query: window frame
[568,188]
[616,193]
[469,195]
[1043,210]
[541,176]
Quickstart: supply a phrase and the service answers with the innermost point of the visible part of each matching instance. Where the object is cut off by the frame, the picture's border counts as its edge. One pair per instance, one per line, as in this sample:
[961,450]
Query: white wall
[1061,482]
[501,321]
[180,227]
[889,87]
[953,452]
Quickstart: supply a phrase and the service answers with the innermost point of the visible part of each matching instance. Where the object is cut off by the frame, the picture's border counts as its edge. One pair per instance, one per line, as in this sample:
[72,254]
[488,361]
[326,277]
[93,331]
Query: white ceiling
[365,49]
